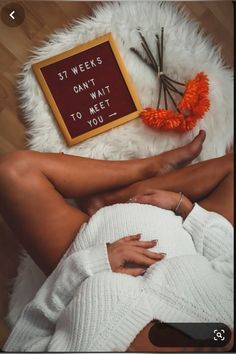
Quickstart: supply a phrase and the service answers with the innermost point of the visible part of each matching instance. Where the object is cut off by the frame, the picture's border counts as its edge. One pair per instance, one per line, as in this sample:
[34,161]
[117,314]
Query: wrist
[183,206]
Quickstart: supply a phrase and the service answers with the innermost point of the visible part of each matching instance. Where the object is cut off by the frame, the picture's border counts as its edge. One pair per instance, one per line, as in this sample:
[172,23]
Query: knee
[14,166]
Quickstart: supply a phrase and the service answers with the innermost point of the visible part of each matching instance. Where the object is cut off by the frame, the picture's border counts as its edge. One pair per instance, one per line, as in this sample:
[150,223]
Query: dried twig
[176,82]
[166,84]
[171,87]
[165,98]
[158,49]
[139,55]
[162,52]
[159,96]
[172,99]
[148,51]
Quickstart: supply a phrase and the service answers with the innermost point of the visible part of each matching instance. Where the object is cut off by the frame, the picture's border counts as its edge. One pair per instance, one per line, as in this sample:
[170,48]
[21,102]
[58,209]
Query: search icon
[219,334]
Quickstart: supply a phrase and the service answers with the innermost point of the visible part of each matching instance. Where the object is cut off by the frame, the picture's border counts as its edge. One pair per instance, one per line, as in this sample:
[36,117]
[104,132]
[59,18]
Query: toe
[195,146]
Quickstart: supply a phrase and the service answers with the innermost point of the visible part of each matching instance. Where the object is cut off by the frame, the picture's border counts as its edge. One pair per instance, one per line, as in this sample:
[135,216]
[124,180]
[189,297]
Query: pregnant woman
[95,298]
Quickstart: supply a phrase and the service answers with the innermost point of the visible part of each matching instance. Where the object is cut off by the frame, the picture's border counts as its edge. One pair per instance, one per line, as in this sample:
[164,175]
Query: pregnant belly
[114,222]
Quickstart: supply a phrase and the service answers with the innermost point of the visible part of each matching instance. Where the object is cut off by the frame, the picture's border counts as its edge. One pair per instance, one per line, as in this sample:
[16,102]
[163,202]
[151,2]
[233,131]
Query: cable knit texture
[84,306]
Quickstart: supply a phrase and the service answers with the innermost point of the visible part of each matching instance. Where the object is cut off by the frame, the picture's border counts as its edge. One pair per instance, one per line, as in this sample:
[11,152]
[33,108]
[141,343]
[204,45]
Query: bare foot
[182,156]
[161,164]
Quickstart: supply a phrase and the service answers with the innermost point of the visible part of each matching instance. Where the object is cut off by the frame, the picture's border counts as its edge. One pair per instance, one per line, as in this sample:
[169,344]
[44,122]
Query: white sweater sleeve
[212,235]
[37,322]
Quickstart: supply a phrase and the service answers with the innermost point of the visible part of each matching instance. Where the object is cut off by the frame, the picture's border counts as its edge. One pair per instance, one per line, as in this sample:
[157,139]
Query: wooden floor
[217,18]
[42,18]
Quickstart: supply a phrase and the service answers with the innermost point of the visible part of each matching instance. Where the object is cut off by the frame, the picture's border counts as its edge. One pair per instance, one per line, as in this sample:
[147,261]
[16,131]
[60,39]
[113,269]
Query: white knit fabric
[187,50]
[84,306]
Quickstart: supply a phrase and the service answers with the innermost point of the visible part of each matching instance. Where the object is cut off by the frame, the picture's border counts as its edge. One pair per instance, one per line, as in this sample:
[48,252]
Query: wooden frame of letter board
[37,70]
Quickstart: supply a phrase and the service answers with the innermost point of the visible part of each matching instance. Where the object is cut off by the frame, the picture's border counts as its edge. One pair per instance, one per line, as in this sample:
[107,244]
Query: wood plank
[44,11]
[72,12]
[216,18]
[6,58]
[223,11]
[221,36]
[5,146]
[9,125]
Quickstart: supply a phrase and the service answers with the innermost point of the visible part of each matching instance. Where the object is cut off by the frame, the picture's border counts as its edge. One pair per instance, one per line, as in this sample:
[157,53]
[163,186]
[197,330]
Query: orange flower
[195,97]
[187,124]
[201,108]
[192,106]
[161,119]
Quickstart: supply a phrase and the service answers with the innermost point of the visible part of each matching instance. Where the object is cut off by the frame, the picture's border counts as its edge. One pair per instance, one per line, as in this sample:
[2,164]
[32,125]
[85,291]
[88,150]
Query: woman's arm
[60,286]
[37,323]
[212,234]
[176,202]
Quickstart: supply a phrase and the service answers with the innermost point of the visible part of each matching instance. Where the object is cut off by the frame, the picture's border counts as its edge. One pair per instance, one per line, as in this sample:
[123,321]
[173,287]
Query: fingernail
[156,240]
[162,254]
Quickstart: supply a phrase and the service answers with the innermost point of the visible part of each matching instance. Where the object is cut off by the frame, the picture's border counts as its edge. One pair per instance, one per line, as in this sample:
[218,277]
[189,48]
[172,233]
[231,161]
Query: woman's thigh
[39,216]
[220,200]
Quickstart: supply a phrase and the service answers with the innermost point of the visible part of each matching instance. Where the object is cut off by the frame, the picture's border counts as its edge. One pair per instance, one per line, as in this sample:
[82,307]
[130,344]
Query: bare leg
[221,199]
[195,181]
[32,187]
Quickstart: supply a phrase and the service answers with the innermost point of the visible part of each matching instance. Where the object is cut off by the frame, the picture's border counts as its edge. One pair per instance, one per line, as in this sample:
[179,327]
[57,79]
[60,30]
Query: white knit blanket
[186,50]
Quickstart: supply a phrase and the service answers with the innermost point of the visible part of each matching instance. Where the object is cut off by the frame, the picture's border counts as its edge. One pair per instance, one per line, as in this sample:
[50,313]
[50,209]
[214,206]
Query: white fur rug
[186,51]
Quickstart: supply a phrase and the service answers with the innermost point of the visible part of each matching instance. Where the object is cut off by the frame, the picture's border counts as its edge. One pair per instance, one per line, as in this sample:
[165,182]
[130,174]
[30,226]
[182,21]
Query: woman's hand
[165,200]
[130,249]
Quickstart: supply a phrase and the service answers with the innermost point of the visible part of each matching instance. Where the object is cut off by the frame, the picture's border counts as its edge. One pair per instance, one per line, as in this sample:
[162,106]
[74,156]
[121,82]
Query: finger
[154,255]
[144,244]
[131,238]
[133,271]
[146,192]
[139,258]
[144,199]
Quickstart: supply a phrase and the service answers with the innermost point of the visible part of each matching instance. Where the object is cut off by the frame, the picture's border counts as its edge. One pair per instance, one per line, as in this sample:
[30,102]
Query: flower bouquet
[193,95]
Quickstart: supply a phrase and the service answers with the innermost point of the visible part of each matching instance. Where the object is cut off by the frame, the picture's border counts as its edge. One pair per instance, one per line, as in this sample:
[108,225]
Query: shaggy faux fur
[186,51]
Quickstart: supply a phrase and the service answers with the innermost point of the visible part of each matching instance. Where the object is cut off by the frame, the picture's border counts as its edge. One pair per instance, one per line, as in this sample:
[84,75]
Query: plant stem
[139,55]
[158,49]
[148,51]
[172,99]
[162,53]
[149,56]
[166,106]
[166,84]
[171,87]
[176,82]
[159,96]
